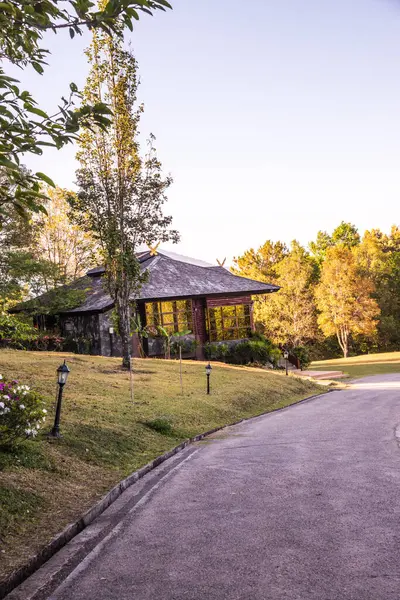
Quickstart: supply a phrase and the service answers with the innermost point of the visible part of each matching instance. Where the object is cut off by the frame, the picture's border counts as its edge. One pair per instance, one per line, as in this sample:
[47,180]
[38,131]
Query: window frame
[170,319]
[214,335]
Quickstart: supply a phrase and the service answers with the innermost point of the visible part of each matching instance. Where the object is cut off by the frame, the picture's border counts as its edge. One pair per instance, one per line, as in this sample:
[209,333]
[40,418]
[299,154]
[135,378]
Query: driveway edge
[72,530]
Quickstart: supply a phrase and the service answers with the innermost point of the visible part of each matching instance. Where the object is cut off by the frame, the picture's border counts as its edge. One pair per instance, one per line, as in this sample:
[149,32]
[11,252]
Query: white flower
[22,406]
[6,410]
[28,431]
[1,376]
[5,397]
[1,404]
[44,418]
[44,411]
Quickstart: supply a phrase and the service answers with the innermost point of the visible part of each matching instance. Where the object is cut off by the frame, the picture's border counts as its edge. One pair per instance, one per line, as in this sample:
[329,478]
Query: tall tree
[344,298]
[289,316]
[120,193]
[24,126]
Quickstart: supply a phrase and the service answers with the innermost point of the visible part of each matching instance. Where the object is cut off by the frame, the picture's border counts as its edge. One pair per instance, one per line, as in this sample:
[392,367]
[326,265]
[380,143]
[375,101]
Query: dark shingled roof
[170,276]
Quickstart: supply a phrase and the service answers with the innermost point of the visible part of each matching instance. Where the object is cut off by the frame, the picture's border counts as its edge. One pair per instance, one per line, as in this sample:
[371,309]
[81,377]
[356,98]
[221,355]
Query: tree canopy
[25,128]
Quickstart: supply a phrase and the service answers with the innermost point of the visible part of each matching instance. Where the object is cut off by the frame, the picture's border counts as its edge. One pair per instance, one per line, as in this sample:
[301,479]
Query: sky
[276,118]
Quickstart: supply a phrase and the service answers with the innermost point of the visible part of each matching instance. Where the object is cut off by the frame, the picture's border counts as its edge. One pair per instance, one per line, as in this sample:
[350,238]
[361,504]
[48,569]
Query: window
[229,322]
[174,316]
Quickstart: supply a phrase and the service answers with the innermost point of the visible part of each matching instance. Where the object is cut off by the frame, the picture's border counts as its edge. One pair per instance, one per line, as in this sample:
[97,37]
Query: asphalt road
[301,504]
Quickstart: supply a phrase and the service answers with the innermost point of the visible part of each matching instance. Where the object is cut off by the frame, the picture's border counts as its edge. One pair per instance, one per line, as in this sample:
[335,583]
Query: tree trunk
[124,322]
[343,340]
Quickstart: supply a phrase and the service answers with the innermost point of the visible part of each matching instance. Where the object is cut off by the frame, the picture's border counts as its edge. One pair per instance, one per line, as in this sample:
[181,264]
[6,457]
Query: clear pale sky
[276,118]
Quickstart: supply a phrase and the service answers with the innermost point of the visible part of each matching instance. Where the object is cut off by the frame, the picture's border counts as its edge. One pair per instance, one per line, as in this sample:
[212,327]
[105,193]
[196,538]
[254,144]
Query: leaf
[36,111]
[38,67]
[73,87]
[45,178]
[5,162]
[71,33]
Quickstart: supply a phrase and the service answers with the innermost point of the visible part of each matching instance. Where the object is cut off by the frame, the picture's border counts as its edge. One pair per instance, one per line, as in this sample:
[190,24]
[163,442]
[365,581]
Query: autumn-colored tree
[378,256]
[344,299]
[121,194]
[44,252]
[261,264]
[61,241]
[288,317]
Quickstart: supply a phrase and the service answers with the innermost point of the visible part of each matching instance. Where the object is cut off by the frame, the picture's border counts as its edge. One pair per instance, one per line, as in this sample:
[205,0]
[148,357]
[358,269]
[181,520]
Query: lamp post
[111,332]
[208,373]
[62,376]
[286,356]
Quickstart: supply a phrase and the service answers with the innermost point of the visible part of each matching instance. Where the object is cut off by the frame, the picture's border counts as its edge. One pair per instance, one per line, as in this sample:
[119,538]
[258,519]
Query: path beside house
[299,504]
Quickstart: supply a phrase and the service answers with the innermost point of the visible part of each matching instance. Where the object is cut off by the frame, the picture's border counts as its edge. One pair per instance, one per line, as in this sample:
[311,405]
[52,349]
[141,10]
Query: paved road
[302,504]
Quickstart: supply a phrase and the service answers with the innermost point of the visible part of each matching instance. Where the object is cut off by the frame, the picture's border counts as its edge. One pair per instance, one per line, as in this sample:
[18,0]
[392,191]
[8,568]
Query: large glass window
[175,316]
[229,322]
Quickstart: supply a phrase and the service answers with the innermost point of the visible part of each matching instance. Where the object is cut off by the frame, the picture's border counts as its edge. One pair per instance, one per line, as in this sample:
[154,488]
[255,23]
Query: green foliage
[15,330]
[215,351]
[121,193]
[24,126]
[22,413]
[303,355]
[259,352]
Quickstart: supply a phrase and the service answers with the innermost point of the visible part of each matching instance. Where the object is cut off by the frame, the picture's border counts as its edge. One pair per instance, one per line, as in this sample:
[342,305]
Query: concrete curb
[72,530]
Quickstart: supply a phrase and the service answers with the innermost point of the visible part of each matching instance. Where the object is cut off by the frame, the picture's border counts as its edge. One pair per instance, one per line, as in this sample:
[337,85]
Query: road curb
[72,530]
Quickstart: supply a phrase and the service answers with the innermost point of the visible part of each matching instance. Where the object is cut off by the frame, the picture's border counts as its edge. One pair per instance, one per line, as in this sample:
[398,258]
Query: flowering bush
[21,412]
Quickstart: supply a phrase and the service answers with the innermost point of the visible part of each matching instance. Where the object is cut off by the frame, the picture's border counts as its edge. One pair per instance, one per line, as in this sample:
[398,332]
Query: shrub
[15,332]
[253,351]
[216,351]
[22,413]
[302,354]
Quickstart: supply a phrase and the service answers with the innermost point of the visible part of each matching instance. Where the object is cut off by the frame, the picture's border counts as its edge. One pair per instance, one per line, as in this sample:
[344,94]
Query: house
[181,294]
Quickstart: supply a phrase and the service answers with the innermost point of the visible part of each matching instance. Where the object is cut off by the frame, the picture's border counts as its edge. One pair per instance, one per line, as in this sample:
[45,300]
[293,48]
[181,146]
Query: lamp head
[62,374]
[208,369]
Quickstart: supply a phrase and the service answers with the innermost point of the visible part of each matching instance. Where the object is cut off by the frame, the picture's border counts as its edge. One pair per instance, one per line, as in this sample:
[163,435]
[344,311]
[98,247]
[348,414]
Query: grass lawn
[46,485]
[361,366]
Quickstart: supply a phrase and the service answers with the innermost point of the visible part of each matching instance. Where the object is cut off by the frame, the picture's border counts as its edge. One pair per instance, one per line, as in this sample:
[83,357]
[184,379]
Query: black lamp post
[208,373]
[62,376]
[286,356]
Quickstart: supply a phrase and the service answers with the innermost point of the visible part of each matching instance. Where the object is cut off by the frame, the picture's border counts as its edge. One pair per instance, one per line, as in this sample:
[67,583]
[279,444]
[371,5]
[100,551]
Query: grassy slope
[361,366]
[46,485]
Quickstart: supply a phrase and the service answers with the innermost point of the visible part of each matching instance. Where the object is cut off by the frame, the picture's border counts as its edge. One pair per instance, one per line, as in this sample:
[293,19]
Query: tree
[61,241]
[120,193]
[343,298]
[261,264]
[346,234]
[288,317]
[43,253]
[25,127]
[320,246]
[378,256]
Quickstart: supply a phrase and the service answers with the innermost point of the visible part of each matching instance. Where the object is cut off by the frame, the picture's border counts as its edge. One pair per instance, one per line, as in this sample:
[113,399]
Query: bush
[253,351]
[16,333]
[302,354]
[22,413]
[216,351]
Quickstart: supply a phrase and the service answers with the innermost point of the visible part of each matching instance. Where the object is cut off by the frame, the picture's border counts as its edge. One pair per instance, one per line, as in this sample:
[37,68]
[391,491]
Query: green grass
[361,366]
[106,436]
